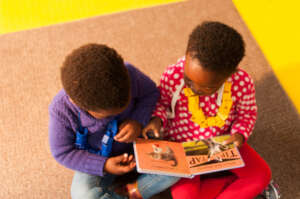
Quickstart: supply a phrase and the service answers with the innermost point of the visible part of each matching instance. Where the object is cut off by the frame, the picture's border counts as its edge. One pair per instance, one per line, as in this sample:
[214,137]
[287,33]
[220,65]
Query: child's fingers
[153,133]
[128,137]
[118,159]
[132,165]
[127,168]
[237,143]
[122,133]
[130,158]
[122,124]
[125,158]
[235,139]
[128,161]
[144,133]
[228,141]
[156,133]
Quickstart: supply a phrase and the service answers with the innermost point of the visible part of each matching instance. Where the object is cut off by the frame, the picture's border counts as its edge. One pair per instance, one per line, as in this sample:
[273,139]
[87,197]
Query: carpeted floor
[151,39]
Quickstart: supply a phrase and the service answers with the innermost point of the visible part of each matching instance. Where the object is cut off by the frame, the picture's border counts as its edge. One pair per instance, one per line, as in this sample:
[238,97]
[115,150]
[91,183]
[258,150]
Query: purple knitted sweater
[63,123]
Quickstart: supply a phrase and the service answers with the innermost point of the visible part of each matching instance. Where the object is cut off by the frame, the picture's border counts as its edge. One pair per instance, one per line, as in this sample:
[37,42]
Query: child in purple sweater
[98,89]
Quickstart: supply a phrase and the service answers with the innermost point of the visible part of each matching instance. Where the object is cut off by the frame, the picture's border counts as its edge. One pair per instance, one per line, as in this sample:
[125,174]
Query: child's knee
[78,192]
[185,192]
[170,180]
[186,188]
[151,184]
[86,192]
[84,186]
[263,176]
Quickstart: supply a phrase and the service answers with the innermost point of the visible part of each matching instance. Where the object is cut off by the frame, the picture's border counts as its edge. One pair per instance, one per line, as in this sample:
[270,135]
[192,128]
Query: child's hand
[129,130]
[237,139]
[153,126]
[120,164]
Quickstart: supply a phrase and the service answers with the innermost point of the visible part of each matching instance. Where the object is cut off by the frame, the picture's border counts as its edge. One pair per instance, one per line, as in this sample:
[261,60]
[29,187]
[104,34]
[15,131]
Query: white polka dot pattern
[242,115]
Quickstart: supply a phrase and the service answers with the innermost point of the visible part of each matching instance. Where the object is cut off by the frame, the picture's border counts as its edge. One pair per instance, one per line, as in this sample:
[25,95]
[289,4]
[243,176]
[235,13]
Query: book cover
[186,159]
[161,157]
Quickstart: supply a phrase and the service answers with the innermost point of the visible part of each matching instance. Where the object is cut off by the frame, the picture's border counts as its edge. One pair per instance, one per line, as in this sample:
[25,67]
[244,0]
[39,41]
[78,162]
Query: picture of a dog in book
[166,155]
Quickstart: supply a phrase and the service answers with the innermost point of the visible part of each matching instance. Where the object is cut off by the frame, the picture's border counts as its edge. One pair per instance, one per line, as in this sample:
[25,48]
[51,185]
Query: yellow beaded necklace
[197,113]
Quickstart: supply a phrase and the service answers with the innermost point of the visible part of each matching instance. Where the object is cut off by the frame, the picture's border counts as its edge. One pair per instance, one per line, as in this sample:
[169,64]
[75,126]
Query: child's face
[200,80]
[100,114]
[106,113]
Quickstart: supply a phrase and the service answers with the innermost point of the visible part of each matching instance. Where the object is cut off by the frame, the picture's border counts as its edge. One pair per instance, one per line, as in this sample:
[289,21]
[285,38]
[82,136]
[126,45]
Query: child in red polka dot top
[204,95]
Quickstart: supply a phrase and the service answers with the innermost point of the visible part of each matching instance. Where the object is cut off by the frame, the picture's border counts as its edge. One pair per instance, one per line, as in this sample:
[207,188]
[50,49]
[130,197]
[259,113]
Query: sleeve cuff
[143,117]
[238,128]
[162,117]
[95,165]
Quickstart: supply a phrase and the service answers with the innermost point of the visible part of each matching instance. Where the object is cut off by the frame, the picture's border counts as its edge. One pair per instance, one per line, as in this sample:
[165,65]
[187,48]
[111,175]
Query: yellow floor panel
[275,26]
[16,15]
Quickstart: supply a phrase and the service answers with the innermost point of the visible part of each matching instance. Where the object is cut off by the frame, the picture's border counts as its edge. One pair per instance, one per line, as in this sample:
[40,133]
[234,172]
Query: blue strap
[108,138]
[81,136]
[81,139]
[80,125]
[106,142]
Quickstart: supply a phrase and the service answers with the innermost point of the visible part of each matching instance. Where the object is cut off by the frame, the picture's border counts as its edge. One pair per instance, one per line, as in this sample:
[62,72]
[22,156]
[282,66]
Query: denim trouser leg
[151,184]
[85,186]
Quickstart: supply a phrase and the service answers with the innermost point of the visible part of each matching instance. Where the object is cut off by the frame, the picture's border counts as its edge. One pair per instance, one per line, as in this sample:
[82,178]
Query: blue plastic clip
[108,138]
[81,138]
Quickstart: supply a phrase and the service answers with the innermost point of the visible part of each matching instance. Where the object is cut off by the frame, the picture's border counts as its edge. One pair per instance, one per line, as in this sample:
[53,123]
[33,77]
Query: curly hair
[217,47]
[95,78]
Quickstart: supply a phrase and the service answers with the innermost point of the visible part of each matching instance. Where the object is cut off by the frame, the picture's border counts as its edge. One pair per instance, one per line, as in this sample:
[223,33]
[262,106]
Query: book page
[161,157]
[210,155]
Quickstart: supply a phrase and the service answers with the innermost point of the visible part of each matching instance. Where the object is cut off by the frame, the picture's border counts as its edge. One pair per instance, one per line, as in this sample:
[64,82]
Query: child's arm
[62,139]
[246,112]
[129,130]
[169,82]
[62,147]
[144,95]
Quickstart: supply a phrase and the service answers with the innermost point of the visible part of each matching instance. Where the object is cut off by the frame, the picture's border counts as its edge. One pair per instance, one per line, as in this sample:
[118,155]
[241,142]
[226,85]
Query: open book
[186,159]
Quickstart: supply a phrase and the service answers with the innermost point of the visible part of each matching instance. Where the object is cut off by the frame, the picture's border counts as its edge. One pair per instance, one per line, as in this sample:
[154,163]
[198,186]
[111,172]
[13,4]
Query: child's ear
[235,70]
[71,100]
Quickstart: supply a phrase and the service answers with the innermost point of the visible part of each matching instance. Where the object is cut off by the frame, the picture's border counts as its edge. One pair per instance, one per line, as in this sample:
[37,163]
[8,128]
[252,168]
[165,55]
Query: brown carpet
[151,39]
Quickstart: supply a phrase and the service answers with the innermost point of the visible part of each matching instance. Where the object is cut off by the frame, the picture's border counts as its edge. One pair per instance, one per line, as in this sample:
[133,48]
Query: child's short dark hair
[218,47]
[95,77]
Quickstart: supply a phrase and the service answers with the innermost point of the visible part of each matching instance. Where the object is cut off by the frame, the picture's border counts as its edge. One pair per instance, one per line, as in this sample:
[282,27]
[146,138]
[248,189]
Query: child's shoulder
[241,77]
[131,68]
[242,83]
[134,72]
[58,99]
[61,107]
[178,66]
[173,75]
[175,71]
